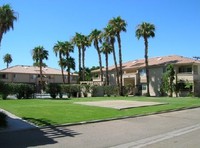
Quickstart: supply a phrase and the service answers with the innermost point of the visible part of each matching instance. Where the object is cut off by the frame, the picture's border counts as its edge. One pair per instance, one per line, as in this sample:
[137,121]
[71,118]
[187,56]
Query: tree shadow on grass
[35,136]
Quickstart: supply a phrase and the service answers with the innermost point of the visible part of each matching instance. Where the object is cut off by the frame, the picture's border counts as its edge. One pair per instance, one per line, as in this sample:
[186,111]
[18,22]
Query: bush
[3,119]
[97,91]
[54,90]
[111,90]
[21,90]
[25,91]
[5,90]
[71,90]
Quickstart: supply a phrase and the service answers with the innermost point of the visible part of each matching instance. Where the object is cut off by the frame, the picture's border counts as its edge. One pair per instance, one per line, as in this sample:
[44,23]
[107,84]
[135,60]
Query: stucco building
[187,71]
[31,75]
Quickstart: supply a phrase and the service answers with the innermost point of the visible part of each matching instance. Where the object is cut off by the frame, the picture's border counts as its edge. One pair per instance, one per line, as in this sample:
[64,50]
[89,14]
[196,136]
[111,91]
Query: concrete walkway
[120,104]
[15,123]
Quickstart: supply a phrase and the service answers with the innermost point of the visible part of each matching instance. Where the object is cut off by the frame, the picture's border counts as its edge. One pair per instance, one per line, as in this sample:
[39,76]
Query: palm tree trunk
[1,36]
[7,65]
[63,77]
[68,69]
[62,71]
[83,62]
[41,77]
[107,78]
[116,68]
[100,62]
[120,63]
[146,64]
[79,58]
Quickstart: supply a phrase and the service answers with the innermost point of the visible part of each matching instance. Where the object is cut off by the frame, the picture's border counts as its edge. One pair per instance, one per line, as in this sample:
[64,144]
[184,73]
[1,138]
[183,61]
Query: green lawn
[55,112]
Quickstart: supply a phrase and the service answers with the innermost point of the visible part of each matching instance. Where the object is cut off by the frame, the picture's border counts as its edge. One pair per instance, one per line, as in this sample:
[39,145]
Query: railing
[100,83]
[185,76]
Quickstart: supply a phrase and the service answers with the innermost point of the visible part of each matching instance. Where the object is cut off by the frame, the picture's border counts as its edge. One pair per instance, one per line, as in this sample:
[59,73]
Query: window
[4,76]
[185,69]
[14,76]
[142,72]
[144,86]
[51,76]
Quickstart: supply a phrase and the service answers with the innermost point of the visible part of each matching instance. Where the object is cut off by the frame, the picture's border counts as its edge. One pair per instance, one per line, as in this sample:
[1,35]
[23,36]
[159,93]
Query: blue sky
[44,22]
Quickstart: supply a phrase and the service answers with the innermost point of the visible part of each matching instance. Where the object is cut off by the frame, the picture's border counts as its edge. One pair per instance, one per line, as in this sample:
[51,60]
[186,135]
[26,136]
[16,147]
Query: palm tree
[109,36]
[106,48]
[68,47]
[7,17]
[59,49]
[38,55]
[95,37]
[70,63]
[119,25]
[76,40]
[7,59]
[146,30]
[84,43]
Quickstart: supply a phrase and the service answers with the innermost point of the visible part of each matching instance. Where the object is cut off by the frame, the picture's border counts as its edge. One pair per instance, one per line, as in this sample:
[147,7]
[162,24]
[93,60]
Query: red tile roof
[172,59]
[32,70]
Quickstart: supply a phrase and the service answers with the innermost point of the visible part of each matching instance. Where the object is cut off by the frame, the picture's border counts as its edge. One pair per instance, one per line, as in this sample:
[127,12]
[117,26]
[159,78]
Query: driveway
[175,129]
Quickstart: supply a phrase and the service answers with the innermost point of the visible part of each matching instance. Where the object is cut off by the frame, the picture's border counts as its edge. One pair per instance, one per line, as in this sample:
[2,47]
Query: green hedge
[54,89]
[72,90]
[21,90]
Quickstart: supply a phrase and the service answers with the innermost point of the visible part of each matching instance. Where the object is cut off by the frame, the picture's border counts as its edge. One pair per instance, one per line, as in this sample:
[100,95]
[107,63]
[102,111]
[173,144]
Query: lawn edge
[118,118]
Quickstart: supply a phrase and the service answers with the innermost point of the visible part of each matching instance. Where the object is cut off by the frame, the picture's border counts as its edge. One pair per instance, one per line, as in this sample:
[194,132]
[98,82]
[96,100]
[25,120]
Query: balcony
[188,76]
[129,75]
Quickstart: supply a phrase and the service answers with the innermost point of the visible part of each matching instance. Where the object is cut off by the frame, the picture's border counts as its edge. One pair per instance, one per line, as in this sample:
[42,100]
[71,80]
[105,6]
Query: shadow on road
[35,136]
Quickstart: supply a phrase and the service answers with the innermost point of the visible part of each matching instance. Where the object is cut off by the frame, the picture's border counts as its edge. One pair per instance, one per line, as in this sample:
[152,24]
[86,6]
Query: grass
[44,112]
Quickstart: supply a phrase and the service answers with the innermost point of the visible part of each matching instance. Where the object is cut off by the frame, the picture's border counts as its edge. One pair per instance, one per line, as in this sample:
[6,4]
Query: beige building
[31,75]
[187,71]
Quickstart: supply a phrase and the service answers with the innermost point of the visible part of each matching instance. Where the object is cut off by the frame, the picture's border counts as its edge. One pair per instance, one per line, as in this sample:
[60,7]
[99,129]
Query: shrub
[25,91]
[111,90]
[3,119]
[54,89]
[5,90]
[97,91]
[71,90]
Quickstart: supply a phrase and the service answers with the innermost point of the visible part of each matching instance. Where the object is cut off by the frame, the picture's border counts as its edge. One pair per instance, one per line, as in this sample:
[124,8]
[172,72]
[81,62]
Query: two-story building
[187,71]
[31,75]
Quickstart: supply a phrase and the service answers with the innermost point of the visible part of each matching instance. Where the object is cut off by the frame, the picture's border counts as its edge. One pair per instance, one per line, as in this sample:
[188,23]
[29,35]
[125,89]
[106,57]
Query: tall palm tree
[109,36]
[70,63]
[69,48]
[7,59]
[60,50]
[84,43]
[106,48]
[7,18]
[119,25]
[146,30]
[38,55]
[76,40]
[95,37]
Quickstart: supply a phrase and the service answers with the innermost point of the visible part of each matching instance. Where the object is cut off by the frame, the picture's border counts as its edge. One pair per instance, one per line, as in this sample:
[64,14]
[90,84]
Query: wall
[155,76]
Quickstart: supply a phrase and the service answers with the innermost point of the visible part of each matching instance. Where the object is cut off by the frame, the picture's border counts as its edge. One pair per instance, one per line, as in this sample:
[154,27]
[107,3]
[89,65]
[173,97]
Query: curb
[119,118]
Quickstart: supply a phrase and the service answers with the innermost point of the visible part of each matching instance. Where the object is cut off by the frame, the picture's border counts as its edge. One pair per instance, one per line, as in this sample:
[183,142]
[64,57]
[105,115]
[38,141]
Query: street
[175,129]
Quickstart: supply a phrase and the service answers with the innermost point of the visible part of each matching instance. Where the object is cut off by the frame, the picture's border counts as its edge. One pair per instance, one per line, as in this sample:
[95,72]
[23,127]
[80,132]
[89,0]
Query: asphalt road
[175,129]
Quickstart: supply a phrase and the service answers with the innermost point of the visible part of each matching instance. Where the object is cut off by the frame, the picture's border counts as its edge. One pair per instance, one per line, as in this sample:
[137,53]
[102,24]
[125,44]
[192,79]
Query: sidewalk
[15,123]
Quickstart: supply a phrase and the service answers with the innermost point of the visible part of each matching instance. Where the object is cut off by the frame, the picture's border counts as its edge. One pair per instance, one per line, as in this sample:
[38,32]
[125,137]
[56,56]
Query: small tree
[167,80]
